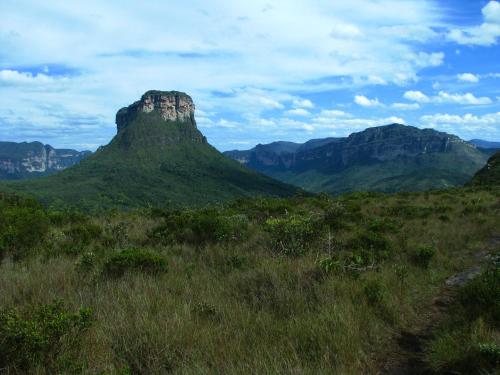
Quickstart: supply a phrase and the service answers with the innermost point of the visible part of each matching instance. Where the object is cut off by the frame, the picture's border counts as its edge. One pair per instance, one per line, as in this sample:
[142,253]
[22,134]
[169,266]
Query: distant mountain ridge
[386,158]
[34,159]
[158,157]
[484,144]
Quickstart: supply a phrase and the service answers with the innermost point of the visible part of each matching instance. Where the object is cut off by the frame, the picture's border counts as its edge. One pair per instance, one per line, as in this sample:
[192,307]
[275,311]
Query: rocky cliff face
[172,106]
[24,160]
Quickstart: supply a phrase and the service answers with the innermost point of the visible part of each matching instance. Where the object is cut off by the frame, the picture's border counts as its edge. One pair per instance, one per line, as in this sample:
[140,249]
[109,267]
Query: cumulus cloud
[423,59]
[298,112]
[467,125]
[303,103]
[365,102]
[485,34]
[406,106]
[13,77]
[444,97]
[345,31]
[416,96]
[468,77]
[418,33]
[467,119]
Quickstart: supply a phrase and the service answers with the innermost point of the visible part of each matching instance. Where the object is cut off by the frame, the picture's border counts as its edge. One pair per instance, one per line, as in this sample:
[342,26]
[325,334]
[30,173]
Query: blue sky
[259,71]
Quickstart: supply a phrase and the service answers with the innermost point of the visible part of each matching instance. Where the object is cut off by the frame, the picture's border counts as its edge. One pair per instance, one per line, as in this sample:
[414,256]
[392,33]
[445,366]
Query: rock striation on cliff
[171,106]
[27,160]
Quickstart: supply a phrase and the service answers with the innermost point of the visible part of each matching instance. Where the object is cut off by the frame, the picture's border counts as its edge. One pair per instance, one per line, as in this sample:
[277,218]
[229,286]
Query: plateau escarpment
[386,158]
[173,106]
[34,159]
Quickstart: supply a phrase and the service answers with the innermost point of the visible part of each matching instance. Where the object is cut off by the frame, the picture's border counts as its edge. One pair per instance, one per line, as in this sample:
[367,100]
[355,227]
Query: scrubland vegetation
[305,285]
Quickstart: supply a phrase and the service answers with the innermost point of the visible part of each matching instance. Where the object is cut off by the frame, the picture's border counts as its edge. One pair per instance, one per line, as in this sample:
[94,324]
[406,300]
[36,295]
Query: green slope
[489,175]
[427,171]
[388,158]
[152,161]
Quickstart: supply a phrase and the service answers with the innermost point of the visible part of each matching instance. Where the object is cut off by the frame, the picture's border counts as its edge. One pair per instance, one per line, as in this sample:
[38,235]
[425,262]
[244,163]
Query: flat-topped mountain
[386,158]
[34,159]
[158,157]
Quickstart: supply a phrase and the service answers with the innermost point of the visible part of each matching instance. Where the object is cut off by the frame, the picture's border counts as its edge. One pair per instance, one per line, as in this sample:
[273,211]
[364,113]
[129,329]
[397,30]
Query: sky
[258,71]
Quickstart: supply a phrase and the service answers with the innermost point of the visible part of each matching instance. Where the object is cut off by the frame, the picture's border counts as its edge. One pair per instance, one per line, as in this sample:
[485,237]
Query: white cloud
[440,118]
[345,31]
[376,80]
[444,97]
[406,106]
[468,77]
[223,123]
[468,124]
[270,103]
[14,77]
[334,113]
[468,98]
[423,59]
[365,102]
[485,34]
[416,96]
[303,103]
[298,112]
[419,33]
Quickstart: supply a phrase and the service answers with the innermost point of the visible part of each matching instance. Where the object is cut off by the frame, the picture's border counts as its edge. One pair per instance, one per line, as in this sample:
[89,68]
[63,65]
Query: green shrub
[384,225]
[291,235]
[490,353]
[200,228]
[134,260]
[371,246]
[86,262]
[481,296]
[22,228]
[83,234]
[423,255]
[336,216]
[44,336]
[329,264]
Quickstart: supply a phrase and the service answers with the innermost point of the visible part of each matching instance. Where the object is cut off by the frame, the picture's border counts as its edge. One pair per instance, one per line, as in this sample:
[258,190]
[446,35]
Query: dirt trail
[409,357]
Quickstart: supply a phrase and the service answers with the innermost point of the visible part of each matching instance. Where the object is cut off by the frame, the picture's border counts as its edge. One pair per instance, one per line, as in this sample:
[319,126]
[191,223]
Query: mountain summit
[158,157]
[172,106]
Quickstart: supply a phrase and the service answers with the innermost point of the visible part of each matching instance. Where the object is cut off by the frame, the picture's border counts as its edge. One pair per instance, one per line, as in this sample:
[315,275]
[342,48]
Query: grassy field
[306,285]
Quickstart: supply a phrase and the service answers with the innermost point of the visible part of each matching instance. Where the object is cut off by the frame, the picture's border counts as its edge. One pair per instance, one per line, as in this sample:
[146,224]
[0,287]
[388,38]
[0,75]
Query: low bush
[83,234]
[481,296]
[423,255]
[291,235]
[200,228]
[46,336]
[371,246]
[134,260]
[23,227]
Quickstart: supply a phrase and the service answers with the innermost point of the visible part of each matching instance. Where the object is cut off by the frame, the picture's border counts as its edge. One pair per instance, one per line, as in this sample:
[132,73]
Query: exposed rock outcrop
[171,105]
[24,160]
